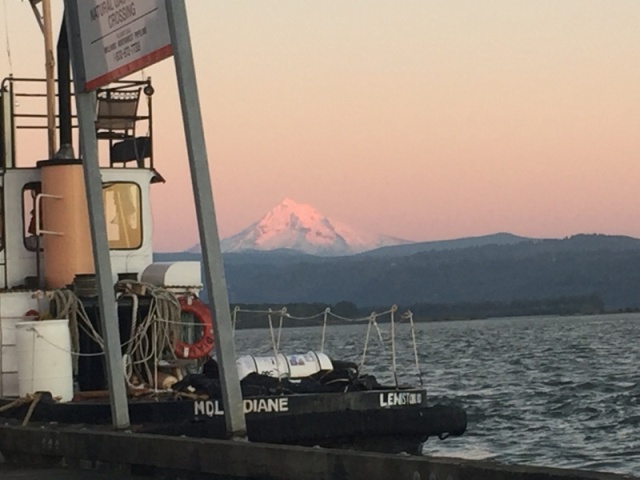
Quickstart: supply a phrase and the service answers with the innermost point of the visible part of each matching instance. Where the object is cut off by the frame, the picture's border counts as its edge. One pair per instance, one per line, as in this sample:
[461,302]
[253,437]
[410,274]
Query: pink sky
[419,119]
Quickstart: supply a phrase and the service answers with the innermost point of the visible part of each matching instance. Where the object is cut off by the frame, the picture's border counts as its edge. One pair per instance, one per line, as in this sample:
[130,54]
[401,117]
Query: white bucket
[287,366]
[44,358]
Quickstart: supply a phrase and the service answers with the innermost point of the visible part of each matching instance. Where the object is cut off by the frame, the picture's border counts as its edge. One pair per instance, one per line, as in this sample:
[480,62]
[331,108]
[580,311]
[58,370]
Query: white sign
[120,37]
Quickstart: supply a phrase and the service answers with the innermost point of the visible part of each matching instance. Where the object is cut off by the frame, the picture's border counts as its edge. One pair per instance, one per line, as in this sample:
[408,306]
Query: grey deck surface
[35,473]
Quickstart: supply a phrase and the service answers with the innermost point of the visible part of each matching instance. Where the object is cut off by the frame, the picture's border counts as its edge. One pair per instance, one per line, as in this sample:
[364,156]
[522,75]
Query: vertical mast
[51,83]
[44,21]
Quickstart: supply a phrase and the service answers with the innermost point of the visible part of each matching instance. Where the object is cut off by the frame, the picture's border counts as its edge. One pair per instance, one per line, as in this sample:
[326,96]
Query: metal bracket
[38,204]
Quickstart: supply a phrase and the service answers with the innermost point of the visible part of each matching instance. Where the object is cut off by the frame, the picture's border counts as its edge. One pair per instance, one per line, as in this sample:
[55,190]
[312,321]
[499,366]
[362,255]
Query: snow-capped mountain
[301,227]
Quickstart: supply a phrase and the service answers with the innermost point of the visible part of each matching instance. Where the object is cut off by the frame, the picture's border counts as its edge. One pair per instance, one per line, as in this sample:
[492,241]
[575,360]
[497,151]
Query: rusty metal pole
[50,64]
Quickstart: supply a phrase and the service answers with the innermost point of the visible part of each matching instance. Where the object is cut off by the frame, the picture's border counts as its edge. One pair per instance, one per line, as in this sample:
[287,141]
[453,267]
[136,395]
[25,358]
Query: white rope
[360,319]
[154,327]
[128,370]
[282,314]
[393,345]
[156,334]
[182,323]
[234,320]
[271,311]
[372,320]
[46,340]
[378,330]
[409,314]
[324,328]
[275,344]
[68,306]
[324,313]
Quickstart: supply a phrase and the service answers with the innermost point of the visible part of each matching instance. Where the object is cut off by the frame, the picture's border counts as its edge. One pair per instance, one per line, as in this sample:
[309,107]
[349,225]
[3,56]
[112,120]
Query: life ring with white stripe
[203,346]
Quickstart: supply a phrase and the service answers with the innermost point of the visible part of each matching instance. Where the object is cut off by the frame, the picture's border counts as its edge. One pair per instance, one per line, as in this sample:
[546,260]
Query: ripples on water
[554,391]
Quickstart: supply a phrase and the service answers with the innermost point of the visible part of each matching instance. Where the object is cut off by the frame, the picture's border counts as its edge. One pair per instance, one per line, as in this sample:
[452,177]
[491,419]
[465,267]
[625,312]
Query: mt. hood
[301,227]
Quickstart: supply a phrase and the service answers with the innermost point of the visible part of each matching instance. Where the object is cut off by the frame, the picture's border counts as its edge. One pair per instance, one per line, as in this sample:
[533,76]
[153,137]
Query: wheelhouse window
[123,214]
[29,193]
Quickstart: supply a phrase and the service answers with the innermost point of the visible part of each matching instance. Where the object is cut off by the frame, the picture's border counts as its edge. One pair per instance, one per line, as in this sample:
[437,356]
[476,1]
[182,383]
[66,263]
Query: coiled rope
[150,339]
[153,337]
[65,304]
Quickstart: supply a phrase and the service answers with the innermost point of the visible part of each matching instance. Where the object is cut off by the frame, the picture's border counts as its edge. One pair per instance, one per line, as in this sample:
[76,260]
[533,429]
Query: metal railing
[23,108]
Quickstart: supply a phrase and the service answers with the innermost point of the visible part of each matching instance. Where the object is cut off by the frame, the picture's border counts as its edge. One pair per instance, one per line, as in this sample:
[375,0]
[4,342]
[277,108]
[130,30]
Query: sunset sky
[420,119]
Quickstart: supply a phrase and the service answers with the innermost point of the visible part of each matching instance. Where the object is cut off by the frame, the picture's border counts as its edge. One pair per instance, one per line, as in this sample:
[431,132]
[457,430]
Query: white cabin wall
[19,262]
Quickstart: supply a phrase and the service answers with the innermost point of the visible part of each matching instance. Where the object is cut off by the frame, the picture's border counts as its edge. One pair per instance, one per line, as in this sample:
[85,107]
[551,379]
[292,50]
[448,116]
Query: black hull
[357,420]
[391,431]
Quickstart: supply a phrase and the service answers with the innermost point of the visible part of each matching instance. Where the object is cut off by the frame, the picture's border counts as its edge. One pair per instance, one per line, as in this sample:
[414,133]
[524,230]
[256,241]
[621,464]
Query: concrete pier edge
[246,460]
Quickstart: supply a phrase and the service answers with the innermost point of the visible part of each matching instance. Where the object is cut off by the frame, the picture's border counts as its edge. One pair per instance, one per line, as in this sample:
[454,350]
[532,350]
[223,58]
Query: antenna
[6,28]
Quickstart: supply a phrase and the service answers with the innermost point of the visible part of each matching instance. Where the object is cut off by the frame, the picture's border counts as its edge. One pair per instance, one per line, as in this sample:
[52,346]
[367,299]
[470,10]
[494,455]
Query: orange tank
[68,251]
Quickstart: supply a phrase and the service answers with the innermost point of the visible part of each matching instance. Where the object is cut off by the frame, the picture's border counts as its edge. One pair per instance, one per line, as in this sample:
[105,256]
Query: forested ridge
[580,274]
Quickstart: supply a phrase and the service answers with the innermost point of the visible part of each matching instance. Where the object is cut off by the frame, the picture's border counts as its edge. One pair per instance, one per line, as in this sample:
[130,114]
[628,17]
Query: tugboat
[52,361]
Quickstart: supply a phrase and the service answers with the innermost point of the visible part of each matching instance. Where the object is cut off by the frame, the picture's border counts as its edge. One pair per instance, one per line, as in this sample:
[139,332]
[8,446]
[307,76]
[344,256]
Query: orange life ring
[204,345]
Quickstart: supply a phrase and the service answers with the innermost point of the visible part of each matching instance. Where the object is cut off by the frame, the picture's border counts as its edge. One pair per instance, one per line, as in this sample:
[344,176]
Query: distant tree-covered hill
[517,269]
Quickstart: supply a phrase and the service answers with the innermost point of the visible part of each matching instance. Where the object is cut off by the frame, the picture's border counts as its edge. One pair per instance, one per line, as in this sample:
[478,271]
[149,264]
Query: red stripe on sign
[129,68]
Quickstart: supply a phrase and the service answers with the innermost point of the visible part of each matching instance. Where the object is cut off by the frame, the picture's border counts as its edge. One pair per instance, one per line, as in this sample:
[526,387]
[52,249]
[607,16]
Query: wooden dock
[204,458]
[12,472]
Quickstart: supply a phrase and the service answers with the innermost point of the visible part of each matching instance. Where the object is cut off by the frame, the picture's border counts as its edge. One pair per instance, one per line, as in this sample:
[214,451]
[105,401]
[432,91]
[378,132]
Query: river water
[551,391]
